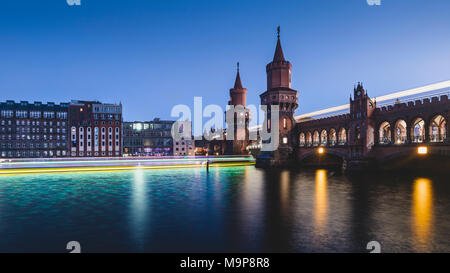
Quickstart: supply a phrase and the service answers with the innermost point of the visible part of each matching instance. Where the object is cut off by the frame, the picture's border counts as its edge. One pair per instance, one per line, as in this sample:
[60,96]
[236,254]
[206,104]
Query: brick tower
[280,93]
[237,119]
[361,133]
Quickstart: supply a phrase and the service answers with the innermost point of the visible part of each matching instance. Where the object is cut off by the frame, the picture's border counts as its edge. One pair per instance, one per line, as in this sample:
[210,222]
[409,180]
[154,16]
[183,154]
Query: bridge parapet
[413,105]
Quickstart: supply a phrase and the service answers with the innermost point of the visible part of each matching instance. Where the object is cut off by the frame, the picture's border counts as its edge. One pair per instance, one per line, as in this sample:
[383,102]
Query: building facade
[185,144]
[33,130]
[151,138]
[95,129]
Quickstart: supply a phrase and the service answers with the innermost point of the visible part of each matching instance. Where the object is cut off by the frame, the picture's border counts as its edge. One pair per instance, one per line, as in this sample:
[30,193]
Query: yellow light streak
[113,168]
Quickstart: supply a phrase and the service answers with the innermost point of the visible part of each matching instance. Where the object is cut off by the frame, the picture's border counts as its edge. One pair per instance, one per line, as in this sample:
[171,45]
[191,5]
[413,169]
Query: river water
[229,209]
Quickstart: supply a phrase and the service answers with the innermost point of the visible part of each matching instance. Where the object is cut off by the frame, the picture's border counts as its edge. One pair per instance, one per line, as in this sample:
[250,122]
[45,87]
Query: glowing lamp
[321,150]
[422,150]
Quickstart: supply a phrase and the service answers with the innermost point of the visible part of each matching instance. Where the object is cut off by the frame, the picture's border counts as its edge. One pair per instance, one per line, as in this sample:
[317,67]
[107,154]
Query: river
[229,209]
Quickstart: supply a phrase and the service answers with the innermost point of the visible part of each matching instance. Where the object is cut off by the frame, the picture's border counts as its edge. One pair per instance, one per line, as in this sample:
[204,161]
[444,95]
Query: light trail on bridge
[384,98]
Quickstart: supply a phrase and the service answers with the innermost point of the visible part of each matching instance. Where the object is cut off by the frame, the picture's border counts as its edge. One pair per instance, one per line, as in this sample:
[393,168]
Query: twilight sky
[151,55]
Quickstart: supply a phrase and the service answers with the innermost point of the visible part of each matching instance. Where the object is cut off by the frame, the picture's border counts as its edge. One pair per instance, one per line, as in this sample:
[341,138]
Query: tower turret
[237,118]
[280,93]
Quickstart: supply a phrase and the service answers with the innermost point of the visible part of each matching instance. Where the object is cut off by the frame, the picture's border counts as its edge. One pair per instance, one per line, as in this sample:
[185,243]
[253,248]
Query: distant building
[95,129]
[186,144]
[148,138]
[33,129]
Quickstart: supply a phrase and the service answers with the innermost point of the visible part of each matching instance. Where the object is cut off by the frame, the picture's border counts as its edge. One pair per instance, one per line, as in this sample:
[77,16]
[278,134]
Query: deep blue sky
[151,55]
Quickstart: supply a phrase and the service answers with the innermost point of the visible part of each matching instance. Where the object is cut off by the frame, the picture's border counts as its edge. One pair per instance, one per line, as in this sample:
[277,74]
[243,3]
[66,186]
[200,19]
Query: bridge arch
[302,139]
[324,138]
[308,139]
[384,131]
[438,128]
[418,130]
[342,136]
[332,137]
[341,155]
[316,138]
[400,133]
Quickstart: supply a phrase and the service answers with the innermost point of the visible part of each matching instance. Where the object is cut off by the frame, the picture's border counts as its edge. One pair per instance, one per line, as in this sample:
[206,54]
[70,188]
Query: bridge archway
[342,137]
[316,138]
[329,158]
[333,137]
[324,138]
[418,130]
[385,133]
[438,130]
[400,132]
[308,139]
[302,140]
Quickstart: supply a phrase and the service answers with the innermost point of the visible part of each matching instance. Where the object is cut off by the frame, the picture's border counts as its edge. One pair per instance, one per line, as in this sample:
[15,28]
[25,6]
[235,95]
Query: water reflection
[422,212]
[139,207]
[284,191]
[321,200]
[240,209]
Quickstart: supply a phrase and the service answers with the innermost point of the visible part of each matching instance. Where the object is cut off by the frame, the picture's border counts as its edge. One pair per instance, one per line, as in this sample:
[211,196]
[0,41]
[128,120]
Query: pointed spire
[238,83]
[279,56]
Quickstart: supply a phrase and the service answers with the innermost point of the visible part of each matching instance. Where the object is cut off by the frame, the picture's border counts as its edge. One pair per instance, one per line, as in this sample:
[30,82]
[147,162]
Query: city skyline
[103,62]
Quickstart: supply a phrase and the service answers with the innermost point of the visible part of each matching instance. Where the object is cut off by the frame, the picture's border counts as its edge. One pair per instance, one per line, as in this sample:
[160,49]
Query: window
[35,114]
[7,113]
[21,114]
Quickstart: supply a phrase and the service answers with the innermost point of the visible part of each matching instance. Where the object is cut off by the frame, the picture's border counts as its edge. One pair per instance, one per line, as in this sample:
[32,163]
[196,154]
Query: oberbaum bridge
[403,127]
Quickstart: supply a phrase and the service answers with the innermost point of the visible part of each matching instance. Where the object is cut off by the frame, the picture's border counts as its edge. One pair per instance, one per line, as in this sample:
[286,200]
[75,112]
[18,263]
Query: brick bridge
[375,135]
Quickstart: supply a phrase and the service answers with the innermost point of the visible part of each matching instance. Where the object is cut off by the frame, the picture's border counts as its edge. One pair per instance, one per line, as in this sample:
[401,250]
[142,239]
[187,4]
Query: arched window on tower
[358,132]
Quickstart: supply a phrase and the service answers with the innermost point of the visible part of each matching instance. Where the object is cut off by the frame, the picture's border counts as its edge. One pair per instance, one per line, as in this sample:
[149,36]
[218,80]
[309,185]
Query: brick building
[95,129]
[33,130]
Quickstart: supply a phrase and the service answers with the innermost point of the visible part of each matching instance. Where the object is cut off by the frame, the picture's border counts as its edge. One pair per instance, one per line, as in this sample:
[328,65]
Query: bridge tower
[280,93]
[362,126]
[238,119]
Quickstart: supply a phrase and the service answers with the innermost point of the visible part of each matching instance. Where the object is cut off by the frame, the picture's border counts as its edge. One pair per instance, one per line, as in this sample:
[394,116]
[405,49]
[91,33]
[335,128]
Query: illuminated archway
[400,132]
[324,138]
[418,131]
[316,138]
[385,133]
[308,139]
[342,138]
[438,130]
[302,140]
[333,137]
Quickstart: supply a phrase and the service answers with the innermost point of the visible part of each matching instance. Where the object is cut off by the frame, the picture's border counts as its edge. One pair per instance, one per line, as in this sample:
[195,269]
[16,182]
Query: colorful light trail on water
[19,167]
